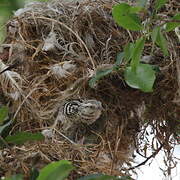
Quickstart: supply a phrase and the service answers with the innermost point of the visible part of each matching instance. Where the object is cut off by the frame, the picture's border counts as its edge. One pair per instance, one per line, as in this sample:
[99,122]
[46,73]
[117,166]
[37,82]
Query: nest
[56,48]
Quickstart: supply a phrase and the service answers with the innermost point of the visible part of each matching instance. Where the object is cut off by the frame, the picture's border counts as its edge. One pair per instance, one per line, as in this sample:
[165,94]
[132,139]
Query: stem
[4,142]
[148,158]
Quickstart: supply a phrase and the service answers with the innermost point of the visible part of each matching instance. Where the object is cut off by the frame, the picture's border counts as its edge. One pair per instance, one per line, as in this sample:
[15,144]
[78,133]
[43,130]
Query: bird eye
[91,107]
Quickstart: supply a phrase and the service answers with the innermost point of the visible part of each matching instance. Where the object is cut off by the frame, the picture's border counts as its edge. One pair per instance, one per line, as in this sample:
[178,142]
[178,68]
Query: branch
[148,158]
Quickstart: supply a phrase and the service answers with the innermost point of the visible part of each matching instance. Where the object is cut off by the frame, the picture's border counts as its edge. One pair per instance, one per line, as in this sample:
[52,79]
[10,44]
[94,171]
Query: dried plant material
[146,59]
[21,11]
[48,133]
[64,45]
[14,95]
[74,88]
[10,79]
[50,42]
[64,69]
[177,31]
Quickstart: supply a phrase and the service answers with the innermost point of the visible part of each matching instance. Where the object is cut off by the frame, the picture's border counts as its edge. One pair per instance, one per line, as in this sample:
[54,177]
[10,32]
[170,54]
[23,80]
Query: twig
[148,158]
[15,64]
[65,137]
[74,33]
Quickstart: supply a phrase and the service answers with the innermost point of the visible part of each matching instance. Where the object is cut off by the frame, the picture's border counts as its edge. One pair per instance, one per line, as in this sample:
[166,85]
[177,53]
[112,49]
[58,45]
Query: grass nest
[55,48]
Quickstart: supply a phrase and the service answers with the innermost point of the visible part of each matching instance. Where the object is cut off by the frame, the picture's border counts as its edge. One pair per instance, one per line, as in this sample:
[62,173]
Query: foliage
[60,170]
[125,16]
[138,75]
[159,39]
[172,25]
[160,3]
[15,177]
[34,174]
[3,114]
[56,170]
[6,9]
[22,137]
[136,80]
[4,125]
[103,177]
[103,72]
[18,138]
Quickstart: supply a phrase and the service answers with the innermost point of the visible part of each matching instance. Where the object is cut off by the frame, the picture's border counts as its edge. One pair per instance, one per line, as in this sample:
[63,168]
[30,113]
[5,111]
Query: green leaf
[125,178]
[103,177]
[177,16]
[56,170]
[135,9]
[156,68]
[22,137]
[119,58]
[143,78]
[34,174]
[2,128]
[15,177]
[123,17]
[107,70]
[172,25]
[99,74]
[154,34]
[160,3]
[137,52]
[3,114]
[158,37]
[128,51]
[98,177]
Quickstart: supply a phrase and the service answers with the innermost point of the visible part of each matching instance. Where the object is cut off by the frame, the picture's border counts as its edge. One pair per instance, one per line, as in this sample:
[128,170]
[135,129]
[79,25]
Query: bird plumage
[75,112]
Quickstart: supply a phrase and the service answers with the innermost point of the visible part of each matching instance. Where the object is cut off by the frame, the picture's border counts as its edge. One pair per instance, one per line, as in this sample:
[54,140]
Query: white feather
[50,42]
[63,70]
[10,80]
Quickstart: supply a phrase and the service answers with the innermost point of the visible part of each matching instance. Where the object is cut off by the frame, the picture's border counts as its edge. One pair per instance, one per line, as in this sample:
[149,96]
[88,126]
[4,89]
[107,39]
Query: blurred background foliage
[7,7]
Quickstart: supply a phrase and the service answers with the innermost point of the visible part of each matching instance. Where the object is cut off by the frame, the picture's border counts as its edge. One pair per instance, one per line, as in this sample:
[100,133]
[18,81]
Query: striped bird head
[71,107]
[90,111]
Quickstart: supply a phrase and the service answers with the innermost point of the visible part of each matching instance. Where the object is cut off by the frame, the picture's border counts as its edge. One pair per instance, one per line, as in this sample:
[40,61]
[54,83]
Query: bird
[76,112]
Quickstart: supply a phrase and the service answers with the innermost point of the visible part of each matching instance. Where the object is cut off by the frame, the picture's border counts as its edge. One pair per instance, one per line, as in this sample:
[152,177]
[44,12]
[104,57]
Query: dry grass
[86,36]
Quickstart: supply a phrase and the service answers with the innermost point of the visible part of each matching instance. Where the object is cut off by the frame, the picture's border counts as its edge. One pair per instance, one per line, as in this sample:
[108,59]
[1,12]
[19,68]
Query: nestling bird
[75,112]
